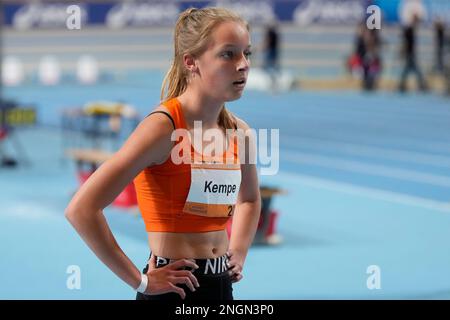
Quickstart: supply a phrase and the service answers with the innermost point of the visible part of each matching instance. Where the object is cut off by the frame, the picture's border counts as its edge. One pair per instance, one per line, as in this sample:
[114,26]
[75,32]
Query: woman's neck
[200,108]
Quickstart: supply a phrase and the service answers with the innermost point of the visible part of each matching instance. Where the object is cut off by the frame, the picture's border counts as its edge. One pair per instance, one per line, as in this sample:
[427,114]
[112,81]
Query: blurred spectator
[365,62]
[271,49]
[354,63]
[447,61]
[439,30]
[372,60]
[409,55]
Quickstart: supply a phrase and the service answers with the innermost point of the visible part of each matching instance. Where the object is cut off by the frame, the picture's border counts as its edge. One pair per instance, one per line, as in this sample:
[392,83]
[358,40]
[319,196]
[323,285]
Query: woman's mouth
[240,84]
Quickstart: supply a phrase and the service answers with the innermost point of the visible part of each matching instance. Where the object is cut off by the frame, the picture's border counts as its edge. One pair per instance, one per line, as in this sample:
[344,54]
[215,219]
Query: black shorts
[212,275]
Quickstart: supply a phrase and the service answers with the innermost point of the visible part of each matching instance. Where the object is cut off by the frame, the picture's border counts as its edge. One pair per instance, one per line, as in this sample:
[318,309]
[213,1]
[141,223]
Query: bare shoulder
[158,120]
[151,139]
[247,142]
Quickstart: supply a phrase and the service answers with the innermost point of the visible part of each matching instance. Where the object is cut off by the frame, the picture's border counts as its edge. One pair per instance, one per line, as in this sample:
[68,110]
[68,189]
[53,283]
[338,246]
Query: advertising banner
[122,14]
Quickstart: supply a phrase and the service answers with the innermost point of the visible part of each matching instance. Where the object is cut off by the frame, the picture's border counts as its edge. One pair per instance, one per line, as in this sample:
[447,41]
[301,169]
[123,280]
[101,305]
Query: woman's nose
[243,64]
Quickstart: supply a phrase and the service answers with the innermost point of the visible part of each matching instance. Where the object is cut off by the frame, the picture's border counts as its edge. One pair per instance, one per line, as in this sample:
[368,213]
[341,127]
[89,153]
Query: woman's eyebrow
[234,46]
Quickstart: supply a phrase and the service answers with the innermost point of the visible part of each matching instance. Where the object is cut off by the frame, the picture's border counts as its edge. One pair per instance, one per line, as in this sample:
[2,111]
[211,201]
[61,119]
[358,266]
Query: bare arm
[247,212]
[149,144]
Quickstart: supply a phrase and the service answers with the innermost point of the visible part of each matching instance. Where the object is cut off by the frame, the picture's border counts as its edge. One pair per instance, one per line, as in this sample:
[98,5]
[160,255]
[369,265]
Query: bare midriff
[200,245]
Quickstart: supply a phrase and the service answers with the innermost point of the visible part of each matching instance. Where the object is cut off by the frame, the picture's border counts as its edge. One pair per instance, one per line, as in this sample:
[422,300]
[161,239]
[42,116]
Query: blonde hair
[191,36]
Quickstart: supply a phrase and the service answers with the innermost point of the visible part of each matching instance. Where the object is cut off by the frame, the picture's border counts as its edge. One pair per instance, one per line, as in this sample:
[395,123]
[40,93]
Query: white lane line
[369,151]
[372,193]
[369,169]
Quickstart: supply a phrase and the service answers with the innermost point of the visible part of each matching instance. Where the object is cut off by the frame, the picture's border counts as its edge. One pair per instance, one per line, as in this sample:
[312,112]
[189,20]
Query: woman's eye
[227,54]
[230,54]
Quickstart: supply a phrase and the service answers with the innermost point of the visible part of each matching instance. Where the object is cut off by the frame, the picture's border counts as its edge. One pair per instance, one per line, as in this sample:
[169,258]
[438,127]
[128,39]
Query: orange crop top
[194,196]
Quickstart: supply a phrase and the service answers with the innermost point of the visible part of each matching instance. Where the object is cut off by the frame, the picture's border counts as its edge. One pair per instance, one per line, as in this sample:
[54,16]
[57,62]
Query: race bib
[214,189]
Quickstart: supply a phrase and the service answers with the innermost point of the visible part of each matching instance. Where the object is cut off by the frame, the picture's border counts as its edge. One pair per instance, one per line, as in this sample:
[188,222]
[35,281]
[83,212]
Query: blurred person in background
[271,51]
[409,55]
[365,62]
[354,61]
[446,58]
[439,34]
[372,65]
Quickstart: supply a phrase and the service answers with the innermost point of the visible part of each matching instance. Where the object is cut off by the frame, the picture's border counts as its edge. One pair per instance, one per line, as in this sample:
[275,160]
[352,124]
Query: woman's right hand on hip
[165,279]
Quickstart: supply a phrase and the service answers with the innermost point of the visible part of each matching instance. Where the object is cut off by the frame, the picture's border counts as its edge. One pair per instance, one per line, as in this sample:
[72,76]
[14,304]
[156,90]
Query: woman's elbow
[73,213]
[70,214]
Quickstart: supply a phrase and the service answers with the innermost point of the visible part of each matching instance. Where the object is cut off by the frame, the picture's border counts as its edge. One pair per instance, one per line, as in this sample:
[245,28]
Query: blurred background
[359,90]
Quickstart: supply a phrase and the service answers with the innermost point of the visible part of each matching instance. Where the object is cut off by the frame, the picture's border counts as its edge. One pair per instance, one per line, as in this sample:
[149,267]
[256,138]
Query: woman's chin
[235,96]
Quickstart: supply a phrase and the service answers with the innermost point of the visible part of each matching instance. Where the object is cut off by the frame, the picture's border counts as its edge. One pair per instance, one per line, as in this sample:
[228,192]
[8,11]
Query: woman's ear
[189,63]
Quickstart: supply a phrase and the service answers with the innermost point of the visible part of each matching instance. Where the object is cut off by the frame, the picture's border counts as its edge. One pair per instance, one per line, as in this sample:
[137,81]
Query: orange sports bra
[193,196]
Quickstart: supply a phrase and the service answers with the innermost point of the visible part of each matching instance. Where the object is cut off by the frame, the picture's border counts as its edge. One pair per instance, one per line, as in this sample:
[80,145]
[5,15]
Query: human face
[224,66]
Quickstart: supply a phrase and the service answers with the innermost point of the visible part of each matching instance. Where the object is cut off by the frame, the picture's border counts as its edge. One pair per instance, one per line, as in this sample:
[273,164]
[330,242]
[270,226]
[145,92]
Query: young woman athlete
[186,191]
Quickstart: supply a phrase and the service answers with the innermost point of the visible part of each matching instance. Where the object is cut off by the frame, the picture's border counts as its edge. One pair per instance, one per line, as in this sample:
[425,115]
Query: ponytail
[226,119]
[175,81]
